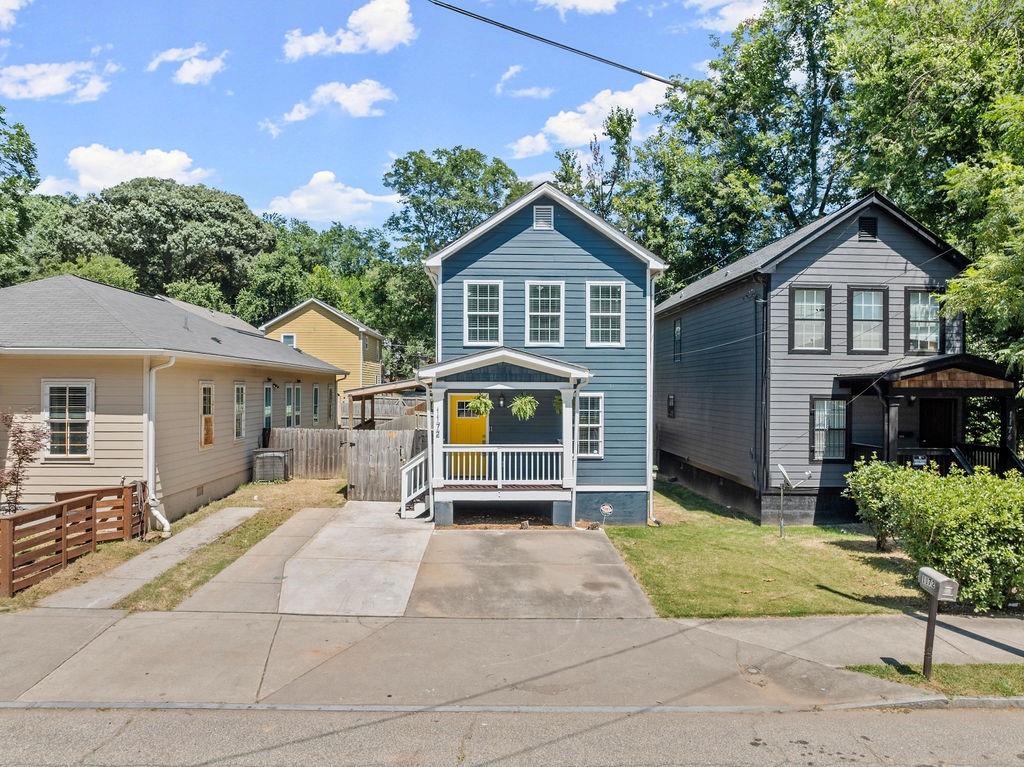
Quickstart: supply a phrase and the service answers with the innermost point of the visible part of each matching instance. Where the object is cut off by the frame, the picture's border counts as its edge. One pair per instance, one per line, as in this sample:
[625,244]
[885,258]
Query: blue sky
[299,106]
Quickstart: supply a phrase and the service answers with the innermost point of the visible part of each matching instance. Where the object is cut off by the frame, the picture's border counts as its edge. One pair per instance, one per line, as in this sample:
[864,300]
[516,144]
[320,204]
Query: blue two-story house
[543,300]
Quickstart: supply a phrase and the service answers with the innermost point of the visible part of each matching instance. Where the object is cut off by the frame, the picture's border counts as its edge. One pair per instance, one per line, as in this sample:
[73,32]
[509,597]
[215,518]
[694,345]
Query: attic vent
[867,228]
[543,217]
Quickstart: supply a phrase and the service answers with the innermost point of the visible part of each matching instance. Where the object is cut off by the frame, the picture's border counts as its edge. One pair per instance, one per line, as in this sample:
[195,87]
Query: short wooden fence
[39,542]
[316,453]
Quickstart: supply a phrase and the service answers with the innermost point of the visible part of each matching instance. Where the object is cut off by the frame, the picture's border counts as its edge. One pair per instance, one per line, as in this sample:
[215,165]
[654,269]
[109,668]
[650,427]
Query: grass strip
[952,679]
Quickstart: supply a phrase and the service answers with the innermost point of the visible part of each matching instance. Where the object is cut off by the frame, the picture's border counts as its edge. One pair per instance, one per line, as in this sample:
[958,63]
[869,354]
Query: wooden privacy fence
[371,460]
[37,543]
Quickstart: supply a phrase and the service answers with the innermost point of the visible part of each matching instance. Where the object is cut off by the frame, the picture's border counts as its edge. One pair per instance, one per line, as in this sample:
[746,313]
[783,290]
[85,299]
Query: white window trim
[268,387]
[90,417]
[622,314]
[295,340]
[234,409]
[465,313]
[579,409]
[316,403]
[561,320]
[213,413]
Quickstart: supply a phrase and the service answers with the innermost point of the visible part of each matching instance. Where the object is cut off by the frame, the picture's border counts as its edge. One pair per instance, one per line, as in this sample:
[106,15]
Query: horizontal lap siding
[573,253]
[182,467]
[897,260]
[322,335]
[715,383]
[117,426]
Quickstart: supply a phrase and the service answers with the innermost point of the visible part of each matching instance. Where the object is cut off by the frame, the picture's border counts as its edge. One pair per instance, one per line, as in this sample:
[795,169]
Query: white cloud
[270,127]
[725,15]
[533,92]
[585,7]
[359,100]
[324,198]
[194,69]
[530,146]
[77,79]
[578,126]
[540,178]
[378,26]
[97,167]
[8,10]
[509,73]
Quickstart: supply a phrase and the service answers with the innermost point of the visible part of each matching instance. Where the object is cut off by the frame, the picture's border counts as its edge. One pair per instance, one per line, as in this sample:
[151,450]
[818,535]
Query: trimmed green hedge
[968,526]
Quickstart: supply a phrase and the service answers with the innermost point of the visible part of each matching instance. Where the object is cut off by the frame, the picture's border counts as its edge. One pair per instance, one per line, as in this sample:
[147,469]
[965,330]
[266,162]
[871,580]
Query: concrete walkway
[107,590]
[358,560]
[244,658]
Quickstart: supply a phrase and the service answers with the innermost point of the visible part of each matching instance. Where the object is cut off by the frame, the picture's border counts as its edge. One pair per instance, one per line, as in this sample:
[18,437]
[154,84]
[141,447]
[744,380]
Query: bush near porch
[706,561]
[968,526]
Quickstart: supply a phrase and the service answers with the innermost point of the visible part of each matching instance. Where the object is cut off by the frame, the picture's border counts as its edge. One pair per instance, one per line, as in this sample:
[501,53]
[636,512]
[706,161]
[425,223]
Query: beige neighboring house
[333,336]
[148,388]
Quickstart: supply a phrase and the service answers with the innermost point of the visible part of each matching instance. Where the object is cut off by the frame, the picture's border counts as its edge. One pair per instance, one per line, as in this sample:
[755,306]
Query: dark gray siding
[574,253]
[898,260]
[715,382]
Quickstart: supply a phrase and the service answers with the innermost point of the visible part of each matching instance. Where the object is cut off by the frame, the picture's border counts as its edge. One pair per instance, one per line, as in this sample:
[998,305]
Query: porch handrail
[500,465]
[415,478]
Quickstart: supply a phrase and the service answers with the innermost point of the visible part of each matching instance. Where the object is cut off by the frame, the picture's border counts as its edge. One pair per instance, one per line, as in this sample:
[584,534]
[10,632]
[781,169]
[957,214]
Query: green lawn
[705,561]
[986,679]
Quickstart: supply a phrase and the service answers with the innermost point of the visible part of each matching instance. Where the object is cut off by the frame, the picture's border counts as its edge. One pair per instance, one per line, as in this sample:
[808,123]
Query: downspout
[154,502]
[651,520]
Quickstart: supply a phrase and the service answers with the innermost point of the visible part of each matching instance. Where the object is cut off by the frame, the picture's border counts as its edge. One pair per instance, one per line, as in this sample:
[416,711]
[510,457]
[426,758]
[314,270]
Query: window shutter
[543,217]
[867,228]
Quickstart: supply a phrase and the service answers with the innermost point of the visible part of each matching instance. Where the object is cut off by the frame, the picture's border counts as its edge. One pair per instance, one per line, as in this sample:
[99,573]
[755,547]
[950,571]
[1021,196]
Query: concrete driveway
[525,574]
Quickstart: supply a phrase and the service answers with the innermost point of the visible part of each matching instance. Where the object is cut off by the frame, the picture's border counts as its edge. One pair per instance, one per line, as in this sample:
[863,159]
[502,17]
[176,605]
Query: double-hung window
[545,313]
[206,414]
[828,429]
[482,312]
[606,313]
[809,319]
[316,403]
[239,410]
[923,326]
[68,414]
[677,340]
[869,323]
[268,405]
[590,437]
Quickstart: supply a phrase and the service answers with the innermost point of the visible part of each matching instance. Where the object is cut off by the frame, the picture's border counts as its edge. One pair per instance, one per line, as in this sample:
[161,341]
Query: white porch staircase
[415,483]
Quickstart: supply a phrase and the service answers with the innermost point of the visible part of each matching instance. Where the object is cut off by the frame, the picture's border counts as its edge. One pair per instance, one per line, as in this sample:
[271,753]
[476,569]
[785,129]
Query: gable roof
[547,189]
[764,259]
[221,318]
[909,367]
[298,308]
[72,315]
[501,354]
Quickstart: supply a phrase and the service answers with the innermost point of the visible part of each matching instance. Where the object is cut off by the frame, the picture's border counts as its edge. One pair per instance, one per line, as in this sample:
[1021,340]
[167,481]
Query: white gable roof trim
[503,354]
[361,327]
[546,189]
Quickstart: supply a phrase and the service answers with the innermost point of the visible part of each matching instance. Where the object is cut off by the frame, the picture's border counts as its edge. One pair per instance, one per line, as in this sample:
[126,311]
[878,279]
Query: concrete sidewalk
[64,656]
[107,590]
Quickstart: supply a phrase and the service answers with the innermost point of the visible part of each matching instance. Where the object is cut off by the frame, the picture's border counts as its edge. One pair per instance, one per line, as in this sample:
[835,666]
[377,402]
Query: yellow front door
[466,428]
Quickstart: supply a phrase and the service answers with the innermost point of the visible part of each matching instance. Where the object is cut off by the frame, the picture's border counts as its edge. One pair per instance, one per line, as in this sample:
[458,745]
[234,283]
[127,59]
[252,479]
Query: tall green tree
[102,268]
[193,291]
[274,283]
[18,177]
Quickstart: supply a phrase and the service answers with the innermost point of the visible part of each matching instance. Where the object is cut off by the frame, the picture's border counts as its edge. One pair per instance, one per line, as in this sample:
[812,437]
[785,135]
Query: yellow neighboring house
[331,335]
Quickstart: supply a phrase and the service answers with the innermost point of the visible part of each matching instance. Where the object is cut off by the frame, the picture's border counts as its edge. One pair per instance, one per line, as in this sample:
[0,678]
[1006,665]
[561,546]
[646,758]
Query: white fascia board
[494,356]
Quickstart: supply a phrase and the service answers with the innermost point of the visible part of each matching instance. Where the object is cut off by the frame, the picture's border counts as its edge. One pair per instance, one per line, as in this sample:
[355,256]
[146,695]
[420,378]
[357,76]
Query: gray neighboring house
[821,347]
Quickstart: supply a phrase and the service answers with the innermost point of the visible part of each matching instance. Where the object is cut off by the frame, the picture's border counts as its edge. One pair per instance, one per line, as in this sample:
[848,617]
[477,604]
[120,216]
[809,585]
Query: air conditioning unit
[271,465]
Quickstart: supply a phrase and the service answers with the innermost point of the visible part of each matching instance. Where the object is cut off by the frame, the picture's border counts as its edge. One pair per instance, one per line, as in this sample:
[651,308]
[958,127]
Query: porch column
[892,428]
[437,439]
[1008,422]
[568,464]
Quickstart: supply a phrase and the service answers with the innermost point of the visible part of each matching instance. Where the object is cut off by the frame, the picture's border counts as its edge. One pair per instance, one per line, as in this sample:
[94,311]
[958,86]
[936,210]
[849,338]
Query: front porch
[917,413]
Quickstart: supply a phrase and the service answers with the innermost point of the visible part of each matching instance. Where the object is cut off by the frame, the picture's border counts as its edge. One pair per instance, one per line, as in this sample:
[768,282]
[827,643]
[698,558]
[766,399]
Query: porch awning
[392,387]
[962,372]
[504,356]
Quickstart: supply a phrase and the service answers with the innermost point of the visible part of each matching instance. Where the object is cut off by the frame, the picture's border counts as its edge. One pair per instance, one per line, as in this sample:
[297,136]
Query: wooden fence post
[127,507]
[6,556]
[90,521]
[62,516]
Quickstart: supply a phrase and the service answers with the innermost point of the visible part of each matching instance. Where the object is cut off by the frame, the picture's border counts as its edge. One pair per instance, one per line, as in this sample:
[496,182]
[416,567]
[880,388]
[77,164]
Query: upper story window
[239,410]
[206,416]
[867,229]
[606,314]
[482,314]
[869,320]
[809,319]
[923,324]
[545,313]
[677,340]
[67,410]
[544,217]
[288,339]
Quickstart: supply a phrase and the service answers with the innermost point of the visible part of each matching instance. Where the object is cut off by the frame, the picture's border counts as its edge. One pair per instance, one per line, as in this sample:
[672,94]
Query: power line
[555,43]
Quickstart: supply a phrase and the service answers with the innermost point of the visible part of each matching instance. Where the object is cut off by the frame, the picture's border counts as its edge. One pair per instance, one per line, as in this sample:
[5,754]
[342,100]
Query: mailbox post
[939,588]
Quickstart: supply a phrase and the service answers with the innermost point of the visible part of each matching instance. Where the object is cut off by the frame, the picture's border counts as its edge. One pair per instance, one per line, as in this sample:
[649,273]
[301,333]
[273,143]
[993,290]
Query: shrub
[24,441]
[870,485]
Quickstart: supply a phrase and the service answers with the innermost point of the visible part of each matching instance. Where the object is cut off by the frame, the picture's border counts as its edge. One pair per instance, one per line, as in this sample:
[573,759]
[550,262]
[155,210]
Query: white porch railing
[415,478]
[502,465]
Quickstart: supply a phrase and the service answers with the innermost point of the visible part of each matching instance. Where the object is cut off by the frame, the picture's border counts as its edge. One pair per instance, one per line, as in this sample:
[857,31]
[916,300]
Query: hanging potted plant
[481,404]
[556,403]
[523,406]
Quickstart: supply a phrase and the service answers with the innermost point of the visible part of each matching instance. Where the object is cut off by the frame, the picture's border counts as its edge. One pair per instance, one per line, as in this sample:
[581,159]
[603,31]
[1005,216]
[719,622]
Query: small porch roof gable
[909,368]
[503,355]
